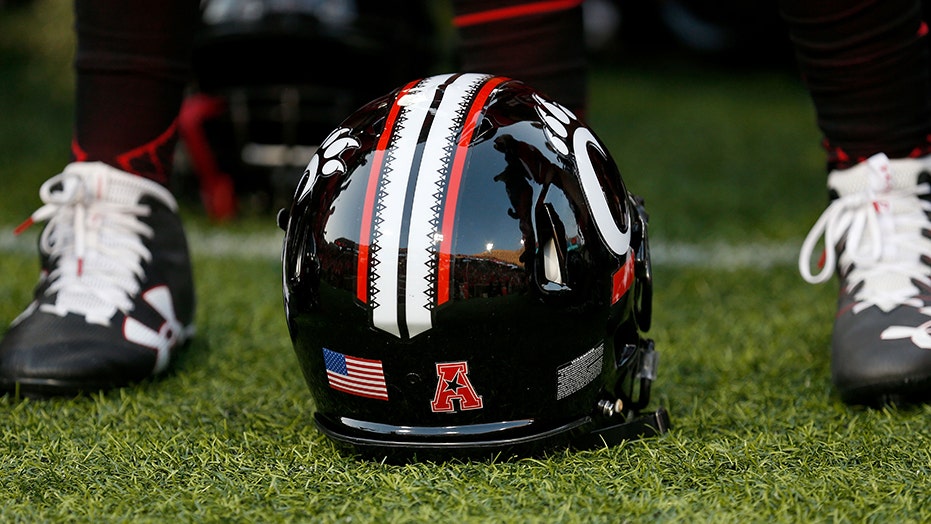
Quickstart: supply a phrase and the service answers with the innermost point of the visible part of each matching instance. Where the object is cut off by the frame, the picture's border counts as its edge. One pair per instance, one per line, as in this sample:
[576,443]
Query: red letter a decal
[454,384]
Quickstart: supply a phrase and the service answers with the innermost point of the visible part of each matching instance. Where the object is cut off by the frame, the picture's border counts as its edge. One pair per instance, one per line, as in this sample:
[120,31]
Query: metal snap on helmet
[465,271]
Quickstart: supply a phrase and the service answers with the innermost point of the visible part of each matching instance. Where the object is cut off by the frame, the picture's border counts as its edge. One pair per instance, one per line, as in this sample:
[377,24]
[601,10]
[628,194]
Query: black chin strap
[644,425]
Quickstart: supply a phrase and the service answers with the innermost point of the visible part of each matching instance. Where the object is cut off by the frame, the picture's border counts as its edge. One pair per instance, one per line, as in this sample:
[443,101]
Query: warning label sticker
[580,372]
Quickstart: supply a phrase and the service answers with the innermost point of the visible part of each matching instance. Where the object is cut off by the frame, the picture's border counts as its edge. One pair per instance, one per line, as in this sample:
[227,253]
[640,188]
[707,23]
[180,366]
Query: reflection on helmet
[465,271]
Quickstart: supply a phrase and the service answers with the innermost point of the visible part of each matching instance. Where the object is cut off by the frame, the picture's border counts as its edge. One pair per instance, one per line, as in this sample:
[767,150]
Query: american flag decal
[356,376]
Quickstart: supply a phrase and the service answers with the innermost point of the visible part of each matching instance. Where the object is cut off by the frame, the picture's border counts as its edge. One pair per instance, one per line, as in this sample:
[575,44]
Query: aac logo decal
[453,384]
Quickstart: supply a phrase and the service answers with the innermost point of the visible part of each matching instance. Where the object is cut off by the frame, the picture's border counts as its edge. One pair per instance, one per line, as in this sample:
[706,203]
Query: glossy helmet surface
[464,270]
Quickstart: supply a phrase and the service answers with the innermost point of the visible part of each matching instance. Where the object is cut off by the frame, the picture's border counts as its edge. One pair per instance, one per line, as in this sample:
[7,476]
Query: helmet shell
[460,271]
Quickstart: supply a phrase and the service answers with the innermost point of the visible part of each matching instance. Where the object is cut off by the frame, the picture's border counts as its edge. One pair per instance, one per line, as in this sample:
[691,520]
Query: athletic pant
[865,63]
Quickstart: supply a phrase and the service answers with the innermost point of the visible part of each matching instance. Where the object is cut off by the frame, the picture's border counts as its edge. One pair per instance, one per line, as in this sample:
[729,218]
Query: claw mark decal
[326,161]
[555,119]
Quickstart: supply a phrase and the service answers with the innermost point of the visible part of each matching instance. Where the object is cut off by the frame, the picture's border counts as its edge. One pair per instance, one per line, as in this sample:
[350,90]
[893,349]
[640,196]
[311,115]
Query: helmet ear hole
[550,263]
[552,269]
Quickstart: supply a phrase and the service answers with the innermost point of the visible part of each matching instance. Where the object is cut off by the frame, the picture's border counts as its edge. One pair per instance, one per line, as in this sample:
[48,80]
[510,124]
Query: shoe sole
[882,395]
[39,389]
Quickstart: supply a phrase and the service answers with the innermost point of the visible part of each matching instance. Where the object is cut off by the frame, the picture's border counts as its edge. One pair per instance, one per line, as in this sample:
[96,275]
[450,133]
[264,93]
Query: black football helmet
[465,271]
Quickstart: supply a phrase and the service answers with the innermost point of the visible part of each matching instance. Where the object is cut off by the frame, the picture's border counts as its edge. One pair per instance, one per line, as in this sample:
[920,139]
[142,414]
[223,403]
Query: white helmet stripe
[421,236]
[392,192]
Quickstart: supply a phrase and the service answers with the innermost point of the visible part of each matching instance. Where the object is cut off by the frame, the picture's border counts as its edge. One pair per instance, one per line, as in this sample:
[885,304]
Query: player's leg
[540,42]
[865,63]
[115,297]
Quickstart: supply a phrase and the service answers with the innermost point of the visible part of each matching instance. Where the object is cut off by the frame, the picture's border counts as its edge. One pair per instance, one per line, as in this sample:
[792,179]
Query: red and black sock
[539,42]
[132,65]
[865,63]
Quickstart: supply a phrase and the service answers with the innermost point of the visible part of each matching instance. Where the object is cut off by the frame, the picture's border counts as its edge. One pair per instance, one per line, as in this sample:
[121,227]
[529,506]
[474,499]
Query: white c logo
[617,241]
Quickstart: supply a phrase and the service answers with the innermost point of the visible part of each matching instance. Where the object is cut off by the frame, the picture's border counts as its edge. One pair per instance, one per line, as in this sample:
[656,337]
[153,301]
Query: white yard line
[720,255]
[223,243]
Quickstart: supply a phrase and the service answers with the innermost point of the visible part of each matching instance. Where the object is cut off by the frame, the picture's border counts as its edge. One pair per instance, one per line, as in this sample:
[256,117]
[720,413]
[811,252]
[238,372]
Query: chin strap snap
[635,423]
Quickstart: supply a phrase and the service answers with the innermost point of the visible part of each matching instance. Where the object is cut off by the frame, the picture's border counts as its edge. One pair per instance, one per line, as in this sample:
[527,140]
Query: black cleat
[115,299]
[877,234]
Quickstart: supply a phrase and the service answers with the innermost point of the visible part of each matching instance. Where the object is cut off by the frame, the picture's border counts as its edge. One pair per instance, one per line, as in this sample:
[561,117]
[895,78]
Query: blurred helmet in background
[273,77]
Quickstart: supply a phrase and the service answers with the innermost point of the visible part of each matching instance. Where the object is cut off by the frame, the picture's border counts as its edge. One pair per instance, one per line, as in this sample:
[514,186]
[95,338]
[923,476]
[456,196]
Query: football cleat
[876,235]
[115,298]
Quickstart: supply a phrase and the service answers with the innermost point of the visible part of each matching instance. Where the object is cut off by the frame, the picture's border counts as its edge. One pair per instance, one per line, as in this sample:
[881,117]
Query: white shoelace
[884,245]
[96,244]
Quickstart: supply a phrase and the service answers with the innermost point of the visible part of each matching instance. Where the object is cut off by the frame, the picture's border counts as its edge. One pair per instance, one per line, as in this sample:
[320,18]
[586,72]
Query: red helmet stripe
[622,279]
[407,220]
[433,174]
[365,235]
[395,214]
[452,188]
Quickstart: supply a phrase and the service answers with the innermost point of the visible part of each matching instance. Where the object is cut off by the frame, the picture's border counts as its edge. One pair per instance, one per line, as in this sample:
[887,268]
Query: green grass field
[731,171]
